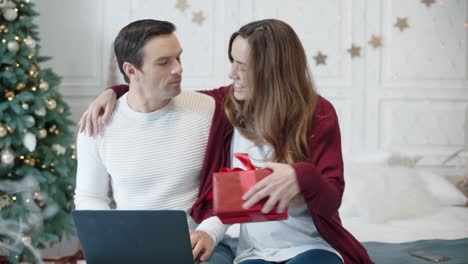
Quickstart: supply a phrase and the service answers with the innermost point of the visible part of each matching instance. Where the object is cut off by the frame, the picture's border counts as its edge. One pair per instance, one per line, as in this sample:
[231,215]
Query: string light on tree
[37,197]
[42,133]
[30,161]
[52,165]
[33,73]
[3,29]
[20,86]
[9,95]
[73,147]
[54,130]
[26,240]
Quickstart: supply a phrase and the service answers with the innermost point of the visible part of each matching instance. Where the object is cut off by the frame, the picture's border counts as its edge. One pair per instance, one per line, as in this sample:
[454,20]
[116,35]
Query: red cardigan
[320,178]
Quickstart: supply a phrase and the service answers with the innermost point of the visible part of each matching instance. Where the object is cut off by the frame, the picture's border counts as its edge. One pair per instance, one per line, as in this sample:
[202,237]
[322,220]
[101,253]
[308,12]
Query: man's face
[161,73]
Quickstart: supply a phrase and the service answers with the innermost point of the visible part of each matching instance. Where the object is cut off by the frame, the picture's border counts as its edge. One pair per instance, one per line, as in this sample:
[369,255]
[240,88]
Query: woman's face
[240,70]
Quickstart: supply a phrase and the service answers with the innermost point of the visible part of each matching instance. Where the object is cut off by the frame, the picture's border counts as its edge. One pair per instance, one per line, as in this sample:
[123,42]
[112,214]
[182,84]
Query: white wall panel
[423,124]
[71,32]
[428,54]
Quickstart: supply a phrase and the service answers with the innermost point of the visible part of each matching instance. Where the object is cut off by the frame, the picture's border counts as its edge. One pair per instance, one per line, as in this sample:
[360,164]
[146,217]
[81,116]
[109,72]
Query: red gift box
[228,188]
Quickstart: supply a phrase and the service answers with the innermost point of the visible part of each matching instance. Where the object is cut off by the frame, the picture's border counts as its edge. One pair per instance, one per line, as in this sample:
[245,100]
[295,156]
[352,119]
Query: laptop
[115,236]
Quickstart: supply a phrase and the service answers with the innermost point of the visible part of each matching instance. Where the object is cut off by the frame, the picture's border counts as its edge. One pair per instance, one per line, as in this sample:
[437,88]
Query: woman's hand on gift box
[202,245]
[280,187]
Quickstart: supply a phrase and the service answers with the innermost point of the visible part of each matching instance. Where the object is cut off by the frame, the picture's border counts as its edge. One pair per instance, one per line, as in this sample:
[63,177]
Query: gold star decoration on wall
[402,23]
[182,5]
[198,17]
[320,58]
[355,51]
[375,41]
[428,3]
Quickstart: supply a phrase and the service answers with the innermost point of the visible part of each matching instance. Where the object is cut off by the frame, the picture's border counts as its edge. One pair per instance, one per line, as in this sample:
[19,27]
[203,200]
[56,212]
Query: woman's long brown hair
[282,97]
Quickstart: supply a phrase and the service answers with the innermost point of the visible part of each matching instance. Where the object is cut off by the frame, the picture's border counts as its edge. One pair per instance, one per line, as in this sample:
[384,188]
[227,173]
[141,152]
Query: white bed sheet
[446,223]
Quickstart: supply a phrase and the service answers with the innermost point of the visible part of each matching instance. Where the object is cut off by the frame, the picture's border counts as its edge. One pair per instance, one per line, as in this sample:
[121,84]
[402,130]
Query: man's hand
[280,186]
[202,245]
[103,105]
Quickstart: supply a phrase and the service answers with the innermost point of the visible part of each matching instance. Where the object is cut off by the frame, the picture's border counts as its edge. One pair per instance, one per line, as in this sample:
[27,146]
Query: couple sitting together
[159,146]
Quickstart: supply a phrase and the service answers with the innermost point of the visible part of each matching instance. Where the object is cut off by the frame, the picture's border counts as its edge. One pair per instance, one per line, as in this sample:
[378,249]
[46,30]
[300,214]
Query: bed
[396,209]
[443,233]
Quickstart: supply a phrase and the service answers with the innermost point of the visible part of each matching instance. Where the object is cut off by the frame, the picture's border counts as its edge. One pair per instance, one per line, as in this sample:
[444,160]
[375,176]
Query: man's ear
[129,70]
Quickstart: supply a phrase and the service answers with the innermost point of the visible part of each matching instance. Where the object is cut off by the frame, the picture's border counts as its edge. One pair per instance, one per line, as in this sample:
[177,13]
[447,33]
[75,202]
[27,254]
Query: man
[155,143]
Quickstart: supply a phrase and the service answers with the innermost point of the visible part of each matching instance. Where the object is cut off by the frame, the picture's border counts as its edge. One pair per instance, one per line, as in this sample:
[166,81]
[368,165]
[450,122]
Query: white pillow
[379,193]
[442,189]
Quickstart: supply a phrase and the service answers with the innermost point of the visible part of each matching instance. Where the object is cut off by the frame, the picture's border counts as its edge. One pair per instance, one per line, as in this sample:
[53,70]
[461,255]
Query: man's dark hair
[128,45]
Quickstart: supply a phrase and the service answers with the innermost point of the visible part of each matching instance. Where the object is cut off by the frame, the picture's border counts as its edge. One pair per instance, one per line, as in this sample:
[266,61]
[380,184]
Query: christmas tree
[37,166]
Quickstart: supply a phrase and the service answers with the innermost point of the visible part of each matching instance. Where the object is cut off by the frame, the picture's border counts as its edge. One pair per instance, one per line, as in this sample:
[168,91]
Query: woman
[279,119]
